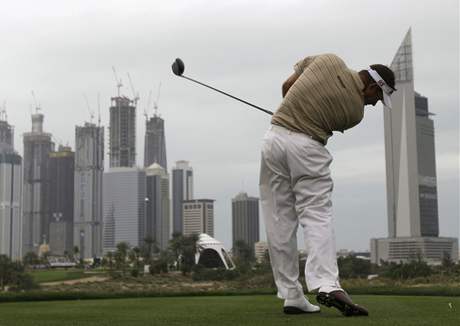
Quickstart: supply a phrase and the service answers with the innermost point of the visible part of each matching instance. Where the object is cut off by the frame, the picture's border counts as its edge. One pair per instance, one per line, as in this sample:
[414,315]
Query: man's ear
[373,87]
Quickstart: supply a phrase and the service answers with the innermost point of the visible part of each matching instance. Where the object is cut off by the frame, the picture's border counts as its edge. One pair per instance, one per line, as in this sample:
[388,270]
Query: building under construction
[60,198]
[89,169]
[37,147]
[155,144]
[122,142]
[10,194]
[6,133]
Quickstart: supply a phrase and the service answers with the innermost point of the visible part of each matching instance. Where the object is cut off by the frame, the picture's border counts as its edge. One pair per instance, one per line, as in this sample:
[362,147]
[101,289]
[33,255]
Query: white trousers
[296,187]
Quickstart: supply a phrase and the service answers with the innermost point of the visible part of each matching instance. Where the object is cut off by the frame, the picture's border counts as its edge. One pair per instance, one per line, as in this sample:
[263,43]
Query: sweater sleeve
[300,66]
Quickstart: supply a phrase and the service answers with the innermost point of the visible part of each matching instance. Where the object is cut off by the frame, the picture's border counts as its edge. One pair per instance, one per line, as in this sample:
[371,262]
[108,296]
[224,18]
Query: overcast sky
[62,50]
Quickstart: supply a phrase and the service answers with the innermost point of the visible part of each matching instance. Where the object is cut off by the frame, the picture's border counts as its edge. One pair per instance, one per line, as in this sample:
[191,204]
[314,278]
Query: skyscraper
[122,148]
[413,226]
[61,200]
[155,144]
[245,219]
[182,189]
[157,219]
[124,207]
[198,217]
[37,146]
[89,170]
[10,194]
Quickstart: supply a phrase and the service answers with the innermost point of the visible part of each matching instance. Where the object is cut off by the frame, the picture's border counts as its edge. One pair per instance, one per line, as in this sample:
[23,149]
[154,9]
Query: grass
[56,275]
[226,310]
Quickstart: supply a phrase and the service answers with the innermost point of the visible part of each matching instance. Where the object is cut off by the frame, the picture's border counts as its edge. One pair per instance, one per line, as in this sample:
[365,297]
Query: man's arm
[299,67]
[288,83]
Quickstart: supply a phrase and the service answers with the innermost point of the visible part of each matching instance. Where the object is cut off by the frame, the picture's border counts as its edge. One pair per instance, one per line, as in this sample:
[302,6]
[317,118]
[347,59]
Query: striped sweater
[326,97]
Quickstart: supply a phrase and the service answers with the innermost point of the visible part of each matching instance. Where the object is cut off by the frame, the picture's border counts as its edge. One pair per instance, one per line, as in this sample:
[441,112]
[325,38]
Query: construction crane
[118,81]
[99,109]
[147,107]
[155,103]
[3,115]
[135,95]
[57,141]
[37,105]
[91,112]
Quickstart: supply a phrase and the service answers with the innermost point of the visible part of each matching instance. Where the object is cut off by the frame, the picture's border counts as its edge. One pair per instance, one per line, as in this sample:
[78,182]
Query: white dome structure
[212,254]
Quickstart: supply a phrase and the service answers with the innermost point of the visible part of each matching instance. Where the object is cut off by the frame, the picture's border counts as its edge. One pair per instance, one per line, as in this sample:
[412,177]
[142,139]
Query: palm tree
[149,248]
[120,256]
[30,258]
[134,257]
[109,260]
[183,249]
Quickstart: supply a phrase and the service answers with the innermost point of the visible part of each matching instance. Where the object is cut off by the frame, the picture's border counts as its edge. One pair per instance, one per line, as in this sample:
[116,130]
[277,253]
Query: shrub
[201,273]
[134,272]
[404,271]
[13,275]
[353,267]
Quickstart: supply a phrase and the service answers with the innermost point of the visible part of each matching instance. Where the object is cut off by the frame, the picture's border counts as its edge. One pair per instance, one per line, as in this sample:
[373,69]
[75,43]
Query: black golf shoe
[339,299]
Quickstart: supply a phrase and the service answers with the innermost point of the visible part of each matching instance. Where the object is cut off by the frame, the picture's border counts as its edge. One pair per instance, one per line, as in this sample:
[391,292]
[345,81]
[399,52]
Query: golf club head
[178,67]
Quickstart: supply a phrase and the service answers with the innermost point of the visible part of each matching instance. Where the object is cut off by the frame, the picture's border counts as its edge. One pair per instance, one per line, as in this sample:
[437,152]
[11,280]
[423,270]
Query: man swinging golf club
[321,96]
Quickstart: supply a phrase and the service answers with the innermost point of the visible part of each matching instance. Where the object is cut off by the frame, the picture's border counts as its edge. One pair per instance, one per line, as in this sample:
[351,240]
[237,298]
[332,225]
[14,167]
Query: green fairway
[226,310]
[56,275]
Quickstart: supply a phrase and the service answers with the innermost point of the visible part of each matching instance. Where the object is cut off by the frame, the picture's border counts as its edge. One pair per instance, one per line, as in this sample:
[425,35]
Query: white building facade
[198,216]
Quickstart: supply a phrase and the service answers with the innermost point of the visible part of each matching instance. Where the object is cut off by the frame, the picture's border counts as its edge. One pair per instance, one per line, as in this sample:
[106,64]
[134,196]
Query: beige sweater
[326,97]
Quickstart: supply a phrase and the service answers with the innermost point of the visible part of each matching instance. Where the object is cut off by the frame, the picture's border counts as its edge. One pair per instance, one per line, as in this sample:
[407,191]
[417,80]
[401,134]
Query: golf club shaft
[236,98]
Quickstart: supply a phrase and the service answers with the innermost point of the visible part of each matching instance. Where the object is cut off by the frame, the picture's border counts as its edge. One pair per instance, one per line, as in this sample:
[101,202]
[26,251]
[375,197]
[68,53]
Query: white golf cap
[386,90]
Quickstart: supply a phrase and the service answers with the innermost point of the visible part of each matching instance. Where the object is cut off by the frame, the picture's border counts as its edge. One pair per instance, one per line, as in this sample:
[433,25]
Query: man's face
[372,94]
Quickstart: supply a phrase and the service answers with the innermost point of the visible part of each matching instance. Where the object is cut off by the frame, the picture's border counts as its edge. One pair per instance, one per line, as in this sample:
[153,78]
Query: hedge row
[53,296]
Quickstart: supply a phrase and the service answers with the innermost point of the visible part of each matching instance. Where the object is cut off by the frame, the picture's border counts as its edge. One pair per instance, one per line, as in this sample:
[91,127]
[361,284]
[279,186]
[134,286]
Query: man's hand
[288,83]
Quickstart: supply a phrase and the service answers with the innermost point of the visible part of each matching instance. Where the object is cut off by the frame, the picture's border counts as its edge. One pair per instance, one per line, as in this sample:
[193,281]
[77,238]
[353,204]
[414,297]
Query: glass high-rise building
[124,207]
[157,217]
[60,197]
[245,219]
[182,190]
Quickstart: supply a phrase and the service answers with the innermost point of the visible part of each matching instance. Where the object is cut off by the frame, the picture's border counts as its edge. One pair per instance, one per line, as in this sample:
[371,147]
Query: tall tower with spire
[412,201]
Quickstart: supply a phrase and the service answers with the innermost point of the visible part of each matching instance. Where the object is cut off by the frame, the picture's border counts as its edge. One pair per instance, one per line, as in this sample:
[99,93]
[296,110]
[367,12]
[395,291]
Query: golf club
[178,68]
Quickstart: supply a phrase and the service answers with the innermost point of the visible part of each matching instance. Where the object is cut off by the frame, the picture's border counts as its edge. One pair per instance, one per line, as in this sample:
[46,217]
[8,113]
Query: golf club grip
[233,97]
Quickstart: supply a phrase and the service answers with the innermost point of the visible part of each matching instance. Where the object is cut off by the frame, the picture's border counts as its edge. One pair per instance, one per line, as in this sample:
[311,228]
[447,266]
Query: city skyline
[223,137]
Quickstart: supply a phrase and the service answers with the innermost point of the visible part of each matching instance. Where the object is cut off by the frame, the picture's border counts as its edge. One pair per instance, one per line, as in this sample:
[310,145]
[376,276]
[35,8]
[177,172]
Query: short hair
[386,73]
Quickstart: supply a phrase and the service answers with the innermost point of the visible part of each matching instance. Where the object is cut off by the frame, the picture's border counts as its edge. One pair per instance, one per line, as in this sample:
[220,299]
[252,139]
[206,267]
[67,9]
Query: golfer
[321,96]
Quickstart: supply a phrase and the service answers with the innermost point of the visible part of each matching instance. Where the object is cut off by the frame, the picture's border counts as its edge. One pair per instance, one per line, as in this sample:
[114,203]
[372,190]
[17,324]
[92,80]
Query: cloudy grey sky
[62,49]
